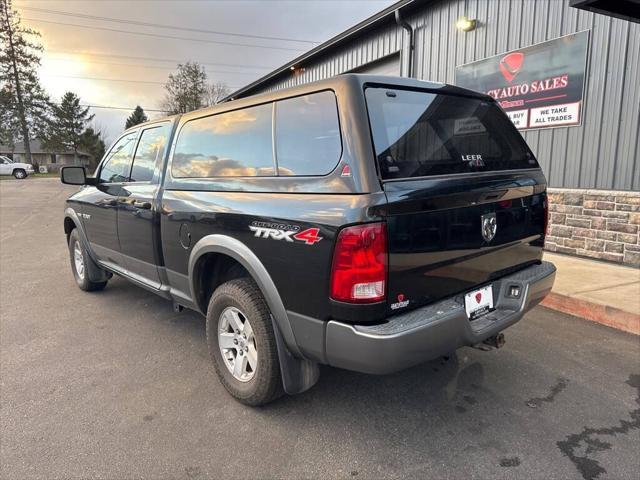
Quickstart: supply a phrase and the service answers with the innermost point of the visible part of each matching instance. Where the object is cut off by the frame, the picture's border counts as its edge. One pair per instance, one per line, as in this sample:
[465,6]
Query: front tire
[19,174]
[79,261]
[242,343]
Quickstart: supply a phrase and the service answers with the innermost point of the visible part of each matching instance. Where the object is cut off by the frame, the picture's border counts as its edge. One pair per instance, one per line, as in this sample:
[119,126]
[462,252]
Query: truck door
[100,212]
[5,166]
[138,221]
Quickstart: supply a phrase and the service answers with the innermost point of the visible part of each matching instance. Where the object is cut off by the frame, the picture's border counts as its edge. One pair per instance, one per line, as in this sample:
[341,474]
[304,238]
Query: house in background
[52,160]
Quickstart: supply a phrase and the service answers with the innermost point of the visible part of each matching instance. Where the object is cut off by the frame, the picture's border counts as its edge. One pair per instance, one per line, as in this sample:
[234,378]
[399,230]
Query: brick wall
[599,224]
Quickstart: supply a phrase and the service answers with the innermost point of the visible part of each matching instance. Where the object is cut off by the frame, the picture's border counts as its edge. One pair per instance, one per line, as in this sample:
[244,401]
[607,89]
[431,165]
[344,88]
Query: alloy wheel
[78,260]
[237,344]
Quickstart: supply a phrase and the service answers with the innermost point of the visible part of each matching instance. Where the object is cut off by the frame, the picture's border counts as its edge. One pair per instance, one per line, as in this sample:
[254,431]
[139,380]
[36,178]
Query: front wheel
[79,261]
[242,343]
[19,173]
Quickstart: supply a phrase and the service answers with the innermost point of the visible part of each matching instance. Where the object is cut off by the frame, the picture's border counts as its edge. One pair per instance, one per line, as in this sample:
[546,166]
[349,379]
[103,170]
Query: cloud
[201,166]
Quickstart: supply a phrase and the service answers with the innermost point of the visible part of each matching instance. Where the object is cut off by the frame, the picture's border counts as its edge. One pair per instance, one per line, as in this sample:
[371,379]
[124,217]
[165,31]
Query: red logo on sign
[309,236]
[510,65]
[478,297]
[400,297]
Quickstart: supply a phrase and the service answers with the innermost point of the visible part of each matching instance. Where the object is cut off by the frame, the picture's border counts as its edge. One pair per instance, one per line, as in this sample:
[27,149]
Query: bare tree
[216,92]
[25,100]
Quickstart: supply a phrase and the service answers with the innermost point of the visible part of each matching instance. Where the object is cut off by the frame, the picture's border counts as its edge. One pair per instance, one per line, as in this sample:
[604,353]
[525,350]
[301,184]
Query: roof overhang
[624,9]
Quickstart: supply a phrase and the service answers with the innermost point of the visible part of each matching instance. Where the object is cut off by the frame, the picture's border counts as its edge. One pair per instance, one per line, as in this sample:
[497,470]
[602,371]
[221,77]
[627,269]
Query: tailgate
[436,251]
[466,197]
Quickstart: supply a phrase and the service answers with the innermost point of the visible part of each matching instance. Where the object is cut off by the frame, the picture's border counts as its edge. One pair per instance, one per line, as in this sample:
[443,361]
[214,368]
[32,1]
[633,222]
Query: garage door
[385,66]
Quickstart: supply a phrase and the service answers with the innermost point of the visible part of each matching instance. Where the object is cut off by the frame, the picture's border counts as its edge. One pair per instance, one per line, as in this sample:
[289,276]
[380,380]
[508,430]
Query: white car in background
[17,169]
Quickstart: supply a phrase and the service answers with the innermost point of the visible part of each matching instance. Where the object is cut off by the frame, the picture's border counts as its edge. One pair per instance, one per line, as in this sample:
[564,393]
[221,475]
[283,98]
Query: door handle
[110,203]
[142,205]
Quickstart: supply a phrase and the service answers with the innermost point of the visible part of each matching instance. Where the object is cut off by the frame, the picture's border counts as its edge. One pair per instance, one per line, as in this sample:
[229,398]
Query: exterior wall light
[466,24]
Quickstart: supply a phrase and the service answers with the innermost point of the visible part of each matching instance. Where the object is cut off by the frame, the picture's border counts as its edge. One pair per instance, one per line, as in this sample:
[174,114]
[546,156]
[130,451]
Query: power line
[110,79]
[157,35]
[124,108]
[149,66]
[117,108]
[216,1]
[166,60]
[159,25]
[105,79]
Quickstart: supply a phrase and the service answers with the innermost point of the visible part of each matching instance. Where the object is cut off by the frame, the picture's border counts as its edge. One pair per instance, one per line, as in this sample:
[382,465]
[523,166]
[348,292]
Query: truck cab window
[151,148]
[117,165]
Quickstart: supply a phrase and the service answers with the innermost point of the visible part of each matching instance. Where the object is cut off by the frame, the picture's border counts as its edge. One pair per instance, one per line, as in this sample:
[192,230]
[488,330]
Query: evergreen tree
[92,143]
[8,131]
[67,124]
[24,103]
[186,89]
[137,117]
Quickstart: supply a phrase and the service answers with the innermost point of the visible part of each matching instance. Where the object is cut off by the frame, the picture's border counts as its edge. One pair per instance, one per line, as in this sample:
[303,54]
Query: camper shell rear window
[419,133]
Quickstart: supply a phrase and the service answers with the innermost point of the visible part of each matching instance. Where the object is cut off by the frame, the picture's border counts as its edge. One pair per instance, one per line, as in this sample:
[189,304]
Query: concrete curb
[603,314]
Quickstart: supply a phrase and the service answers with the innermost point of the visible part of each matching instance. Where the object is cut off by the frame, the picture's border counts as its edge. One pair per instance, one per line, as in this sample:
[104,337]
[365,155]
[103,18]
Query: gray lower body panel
[427,333]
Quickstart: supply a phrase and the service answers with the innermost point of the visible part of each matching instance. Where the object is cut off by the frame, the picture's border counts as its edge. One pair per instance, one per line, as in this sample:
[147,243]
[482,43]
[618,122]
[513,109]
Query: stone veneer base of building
[599,224]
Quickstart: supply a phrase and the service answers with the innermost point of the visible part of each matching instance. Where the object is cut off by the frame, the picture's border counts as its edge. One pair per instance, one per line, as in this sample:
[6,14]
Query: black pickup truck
[369,223]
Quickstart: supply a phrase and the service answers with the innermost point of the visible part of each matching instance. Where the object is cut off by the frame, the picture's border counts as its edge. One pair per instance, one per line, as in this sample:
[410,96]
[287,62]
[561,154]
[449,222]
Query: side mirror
[73,175]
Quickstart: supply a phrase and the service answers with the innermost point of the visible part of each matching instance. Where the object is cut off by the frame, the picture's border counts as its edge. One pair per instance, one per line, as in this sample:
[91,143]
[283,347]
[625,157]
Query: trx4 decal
[288,233]
[308,236]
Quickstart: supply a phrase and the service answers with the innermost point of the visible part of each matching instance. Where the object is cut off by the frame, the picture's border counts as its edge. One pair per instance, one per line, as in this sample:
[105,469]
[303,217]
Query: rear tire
[79,261]
[19,174]
[242,343]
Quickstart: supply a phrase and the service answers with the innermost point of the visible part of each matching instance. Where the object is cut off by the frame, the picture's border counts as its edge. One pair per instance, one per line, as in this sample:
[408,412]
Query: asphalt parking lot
[117,385]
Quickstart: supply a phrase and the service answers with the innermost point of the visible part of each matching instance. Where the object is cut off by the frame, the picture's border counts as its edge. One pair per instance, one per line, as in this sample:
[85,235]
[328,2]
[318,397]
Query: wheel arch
[298,373]
[69,225]
[231,247]
[72,222]
[211,270]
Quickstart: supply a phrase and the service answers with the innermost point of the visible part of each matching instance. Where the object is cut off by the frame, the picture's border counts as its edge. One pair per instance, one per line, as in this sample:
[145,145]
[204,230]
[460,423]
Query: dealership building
[567,72]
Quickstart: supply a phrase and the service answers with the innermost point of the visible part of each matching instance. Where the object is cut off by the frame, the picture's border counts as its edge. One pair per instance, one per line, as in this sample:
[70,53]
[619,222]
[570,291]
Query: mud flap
[298,374]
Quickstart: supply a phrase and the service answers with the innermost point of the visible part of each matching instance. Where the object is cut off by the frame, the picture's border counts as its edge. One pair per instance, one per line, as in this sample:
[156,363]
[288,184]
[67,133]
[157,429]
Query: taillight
[359,268]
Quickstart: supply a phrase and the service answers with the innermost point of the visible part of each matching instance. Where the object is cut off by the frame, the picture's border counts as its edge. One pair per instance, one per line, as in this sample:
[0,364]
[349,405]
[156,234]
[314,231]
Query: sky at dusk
[100,61]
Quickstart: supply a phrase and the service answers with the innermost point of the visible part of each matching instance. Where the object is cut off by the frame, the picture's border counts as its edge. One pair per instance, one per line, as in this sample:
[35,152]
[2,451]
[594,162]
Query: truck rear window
[418,133]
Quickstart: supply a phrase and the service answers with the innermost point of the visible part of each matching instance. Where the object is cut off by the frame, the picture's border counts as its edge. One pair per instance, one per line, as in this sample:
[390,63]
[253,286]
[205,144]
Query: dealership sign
[538,86]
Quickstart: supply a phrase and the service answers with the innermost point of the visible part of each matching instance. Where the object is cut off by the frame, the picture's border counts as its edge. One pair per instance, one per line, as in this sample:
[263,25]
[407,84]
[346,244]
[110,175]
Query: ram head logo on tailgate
[489,226]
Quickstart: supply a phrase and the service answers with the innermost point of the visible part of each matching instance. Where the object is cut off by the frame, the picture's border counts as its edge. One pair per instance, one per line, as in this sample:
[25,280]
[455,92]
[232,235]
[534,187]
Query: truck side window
[118,162]
[308,134]
[231,144]
[151,148]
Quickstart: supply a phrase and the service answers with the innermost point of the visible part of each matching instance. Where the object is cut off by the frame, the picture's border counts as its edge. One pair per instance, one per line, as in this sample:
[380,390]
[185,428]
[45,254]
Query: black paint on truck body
[148,231]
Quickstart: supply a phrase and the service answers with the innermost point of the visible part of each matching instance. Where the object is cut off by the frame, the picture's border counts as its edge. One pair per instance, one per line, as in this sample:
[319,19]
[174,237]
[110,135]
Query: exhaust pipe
[497,341]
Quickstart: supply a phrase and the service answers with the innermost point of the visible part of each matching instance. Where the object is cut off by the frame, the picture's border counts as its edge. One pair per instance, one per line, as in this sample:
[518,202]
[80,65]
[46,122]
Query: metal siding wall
[601,153]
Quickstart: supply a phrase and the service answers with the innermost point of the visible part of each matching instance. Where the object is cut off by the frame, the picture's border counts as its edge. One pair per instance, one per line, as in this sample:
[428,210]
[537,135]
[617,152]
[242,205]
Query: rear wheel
[242,343]
[79,261]
[19,173]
